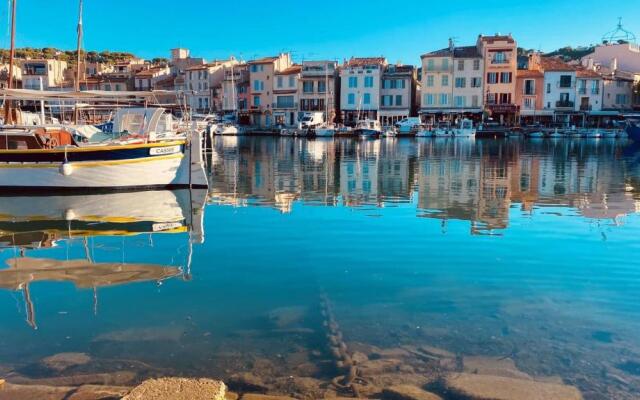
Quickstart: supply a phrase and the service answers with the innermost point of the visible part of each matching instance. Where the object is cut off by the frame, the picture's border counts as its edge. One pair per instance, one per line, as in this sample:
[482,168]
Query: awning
[536,113]
[85,95]
[604,113]
[394,113]
[450,110]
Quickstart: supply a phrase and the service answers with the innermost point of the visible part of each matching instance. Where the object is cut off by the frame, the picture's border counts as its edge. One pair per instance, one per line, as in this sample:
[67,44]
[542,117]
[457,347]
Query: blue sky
[399,30]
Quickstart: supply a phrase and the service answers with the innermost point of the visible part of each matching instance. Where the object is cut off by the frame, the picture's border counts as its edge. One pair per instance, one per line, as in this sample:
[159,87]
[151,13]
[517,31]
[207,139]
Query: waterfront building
[452,81]
[360,80]
[261,75]
[285,96]
[317,88]
[49,72]
[499,53]
[235,92]
[560,86]
[588,91]
[201,82]
[617,89]
[529,90]
[397,93]
[4,75]
[147,78]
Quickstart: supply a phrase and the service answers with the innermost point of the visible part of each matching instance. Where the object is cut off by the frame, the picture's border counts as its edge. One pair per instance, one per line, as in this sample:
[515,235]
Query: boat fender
[66,169]
[69,215]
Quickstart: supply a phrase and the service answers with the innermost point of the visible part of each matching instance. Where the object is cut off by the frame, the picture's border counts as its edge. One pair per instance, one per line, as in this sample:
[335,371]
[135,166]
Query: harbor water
[431,256]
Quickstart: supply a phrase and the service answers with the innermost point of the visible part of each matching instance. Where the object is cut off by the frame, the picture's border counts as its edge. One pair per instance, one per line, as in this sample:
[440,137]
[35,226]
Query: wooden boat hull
[164,164]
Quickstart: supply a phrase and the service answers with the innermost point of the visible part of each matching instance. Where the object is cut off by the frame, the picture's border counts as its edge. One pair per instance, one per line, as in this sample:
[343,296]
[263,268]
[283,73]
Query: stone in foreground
[487,387]
[407,392]
[178,389]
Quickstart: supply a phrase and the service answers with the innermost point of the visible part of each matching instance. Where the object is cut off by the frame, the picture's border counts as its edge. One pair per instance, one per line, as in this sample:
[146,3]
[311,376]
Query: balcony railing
[582,90]
[501,61]
[564,104]
[284,105]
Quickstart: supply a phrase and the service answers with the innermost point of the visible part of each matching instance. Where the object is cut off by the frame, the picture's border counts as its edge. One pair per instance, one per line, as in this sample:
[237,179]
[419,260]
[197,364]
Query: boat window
[133,123]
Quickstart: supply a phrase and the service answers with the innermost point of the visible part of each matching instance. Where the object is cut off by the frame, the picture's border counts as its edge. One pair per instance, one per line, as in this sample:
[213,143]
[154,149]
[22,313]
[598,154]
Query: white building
[50,72]
[285,96]
[588,91]
[559,86]
[360,88]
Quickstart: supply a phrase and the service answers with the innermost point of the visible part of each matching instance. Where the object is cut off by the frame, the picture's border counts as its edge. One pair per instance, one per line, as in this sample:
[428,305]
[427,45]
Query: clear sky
[335,29]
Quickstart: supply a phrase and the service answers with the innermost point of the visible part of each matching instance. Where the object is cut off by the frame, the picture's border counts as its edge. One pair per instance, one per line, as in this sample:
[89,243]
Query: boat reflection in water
[31,222]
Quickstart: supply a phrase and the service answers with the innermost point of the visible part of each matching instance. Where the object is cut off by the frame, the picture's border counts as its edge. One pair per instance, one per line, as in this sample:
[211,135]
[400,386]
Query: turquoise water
[523,250]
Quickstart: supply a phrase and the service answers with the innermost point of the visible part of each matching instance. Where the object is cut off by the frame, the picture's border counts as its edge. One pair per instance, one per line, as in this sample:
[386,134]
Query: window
[428,99]
[505,77]
[492,77]
[292,81]
[529,87]
[368,81]
[505,98]
[401,83]
[460,65]
[430,80]
[621,99]
[476,65]
[474,101]
[461,82]
[398,100]
[117,87]
[307,87]
[445,80]
[322,86]
[431,65]
[351,98]
[548,88]
[491,98]
[386,83]
[200,102]
[565,81]
[387,100]
[595,87]
[366,99]
[476,82]
[582,86]
[256,101]
[206,102]
[444,99]
[499,58]
[284,102]
[279,82]
[353,81]
[528,102]
[258,85]
[459,101]
[445,64]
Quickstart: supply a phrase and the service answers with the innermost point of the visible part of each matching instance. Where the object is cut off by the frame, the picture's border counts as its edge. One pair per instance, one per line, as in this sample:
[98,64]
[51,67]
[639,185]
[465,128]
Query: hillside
[67,55]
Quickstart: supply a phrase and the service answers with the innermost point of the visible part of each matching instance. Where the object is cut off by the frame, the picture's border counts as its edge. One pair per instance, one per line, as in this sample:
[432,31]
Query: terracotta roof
[497,38]
[294,69]
[466,52]
[359,62]
[529,73]
[197,67]
[555,65]
[263,60]
[148,72]
[587,73]
[438,53]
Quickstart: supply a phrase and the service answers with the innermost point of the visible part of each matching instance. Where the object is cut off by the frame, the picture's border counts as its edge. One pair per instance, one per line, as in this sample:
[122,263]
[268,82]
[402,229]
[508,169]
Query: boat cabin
[37,139]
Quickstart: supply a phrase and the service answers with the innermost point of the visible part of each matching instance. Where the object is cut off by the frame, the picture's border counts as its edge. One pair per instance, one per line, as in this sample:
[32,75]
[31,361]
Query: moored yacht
[368,129]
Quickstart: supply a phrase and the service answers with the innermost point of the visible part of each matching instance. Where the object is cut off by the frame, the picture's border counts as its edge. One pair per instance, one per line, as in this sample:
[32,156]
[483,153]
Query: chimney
[614,64]
[451,45]
[590,64]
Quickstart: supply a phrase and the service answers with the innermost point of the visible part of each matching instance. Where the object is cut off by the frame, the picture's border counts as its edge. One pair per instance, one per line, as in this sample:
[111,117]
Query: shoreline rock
[178,389]
[488,387]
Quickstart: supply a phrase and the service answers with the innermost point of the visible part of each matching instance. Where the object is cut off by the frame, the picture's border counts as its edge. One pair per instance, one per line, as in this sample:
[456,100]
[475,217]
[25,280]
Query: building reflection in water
[477,181]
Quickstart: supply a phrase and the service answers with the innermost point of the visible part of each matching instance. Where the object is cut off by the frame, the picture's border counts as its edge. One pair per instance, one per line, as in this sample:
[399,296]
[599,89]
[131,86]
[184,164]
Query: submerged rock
[493,366]
[169,334]
[285,317]
[407,392]
[62,361]
[34,392]
[178,389]
[487,387]
[119,378]
[247,382]
[95,392]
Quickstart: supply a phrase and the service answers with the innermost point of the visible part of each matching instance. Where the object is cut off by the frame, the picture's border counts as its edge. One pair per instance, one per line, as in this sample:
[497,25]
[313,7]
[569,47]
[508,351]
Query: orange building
[500,54]
[530,91]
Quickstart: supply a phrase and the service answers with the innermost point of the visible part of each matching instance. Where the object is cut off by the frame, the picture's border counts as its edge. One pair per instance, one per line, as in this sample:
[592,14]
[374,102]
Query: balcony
[582,90]
[501,61]
[281,106]
[38,70]
[565,104]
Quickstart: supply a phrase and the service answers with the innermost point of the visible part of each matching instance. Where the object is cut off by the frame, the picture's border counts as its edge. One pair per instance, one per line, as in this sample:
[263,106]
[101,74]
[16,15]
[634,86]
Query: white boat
[141,153]
[389,132]
[368,129]
[464,128]
[325,131]
[227,128]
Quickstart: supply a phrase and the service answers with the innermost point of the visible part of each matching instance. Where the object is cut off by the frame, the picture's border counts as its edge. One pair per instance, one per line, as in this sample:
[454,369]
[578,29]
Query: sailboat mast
[7,105]
[79,47]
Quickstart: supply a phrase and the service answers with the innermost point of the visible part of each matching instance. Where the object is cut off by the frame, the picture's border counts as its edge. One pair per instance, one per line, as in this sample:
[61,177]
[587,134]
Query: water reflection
[475,181]
[34,222]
